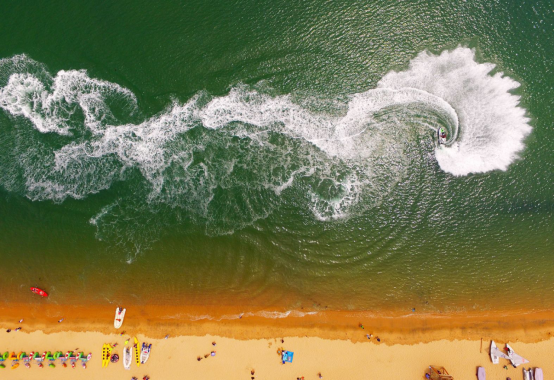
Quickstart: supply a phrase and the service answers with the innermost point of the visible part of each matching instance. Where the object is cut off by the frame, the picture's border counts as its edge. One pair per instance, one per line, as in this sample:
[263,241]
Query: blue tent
[287,356]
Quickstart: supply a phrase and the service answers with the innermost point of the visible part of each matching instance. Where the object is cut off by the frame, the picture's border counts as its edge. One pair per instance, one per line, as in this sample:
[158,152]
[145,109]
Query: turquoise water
[274,154]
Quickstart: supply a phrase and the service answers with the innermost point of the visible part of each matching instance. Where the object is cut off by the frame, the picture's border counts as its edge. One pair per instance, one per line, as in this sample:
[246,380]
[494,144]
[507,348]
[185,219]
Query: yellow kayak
[106,351]
[137,352]
[15,365]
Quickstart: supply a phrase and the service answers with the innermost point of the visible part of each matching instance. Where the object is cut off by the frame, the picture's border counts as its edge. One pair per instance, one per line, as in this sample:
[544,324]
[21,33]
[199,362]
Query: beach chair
[439,373]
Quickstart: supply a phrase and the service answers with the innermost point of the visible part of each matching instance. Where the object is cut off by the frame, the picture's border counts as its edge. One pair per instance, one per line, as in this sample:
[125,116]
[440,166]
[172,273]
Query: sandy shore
[176,358]
[330,342]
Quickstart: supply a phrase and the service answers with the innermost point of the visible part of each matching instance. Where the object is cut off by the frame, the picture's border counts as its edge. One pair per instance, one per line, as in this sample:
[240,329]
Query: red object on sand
[40,292]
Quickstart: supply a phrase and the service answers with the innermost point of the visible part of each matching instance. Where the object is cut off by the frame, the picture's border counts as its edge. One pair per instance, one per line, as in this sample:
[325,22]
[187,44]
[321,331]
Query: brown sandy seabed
[155,322]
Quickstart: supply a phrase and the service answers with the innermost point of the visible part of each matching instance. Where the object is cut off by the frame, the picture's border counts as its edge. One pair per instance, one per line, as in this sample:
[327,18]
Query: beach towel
[287,356]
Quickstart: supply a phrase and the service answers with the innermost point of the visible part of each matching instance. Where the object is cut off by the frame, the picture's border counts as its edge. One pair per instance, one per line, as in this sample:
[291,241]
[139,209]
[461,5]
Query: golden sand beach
[331,343]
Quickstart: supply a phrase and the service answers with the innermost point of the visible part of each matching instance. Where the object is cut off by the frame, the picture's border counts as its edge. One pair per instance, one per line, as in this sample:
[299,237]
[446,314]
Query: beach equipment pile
[48,357]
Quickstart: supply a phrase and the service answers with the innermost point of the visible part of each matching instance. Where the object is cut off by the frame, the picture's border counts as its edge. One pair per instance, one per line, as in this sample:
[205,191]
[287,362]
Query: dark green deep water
[258,153]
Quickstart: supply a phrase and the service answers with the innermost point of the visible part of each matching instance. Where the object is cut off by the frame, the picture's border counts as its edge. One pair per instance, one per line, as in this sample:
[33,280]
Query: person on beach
[319,375]
[199,358]
[213,343]
[8,330]
[21,321]
[252,372]
[213,353]
[362,326]
[18,329]
[166,337]
[59,321]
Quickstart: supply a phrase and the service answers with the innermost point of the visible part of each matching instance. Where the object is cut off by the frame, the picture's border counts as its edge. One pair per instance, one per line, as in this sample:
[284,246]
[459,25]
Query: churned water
[269,154]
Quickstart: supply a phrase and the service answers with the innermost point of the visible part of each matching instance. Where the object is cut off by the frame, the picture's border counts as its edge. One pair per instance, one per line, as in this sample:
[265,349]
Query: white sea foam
[493,126]
[250,142]
[263,314]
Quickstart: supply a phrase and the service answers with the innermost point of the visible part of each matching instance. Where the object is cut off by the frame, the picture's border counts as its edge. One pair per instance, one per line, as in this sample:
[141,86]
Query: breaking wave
[225,162]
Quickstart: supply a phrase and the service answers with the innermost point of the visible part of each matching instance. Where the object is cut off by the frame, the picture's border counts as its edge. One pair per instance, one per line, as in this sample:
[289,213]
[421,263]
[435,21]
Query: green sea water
[278,154]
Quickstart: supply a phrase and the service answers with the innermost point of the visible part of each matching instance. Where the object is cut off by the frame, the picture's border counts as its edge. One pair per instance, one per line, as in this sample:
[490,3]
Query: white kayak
[127,358]
[145,352]
[119,316]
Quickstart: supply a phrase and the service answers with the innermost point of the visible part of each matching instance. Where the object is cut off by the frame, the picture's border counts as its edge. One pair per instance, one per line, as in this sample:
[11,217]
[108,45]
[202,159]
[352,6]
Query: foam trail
[225,162]
[493,126]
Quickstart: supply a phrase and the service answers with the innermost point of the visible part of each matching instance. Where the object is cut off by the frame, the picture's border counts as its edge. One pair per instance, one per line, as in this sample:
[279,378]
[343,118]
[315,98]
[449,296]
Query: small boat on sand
[127,358]
[145,352]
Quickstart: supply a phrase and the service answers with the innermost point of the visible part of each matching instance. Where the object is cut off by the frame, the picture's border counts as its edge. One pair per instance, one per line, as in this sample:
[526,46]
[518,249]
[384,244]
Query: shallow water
[269,155]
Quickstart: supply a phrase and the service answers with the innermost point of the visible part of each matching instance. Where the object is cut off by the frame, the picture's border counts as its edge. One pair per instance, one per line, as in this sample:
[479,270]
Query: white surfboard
[119,316]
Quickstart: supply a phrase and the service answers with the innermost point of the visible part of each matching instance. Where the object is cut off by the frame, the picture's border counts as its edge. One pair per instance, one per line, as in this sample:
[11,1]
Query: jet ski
[441,136]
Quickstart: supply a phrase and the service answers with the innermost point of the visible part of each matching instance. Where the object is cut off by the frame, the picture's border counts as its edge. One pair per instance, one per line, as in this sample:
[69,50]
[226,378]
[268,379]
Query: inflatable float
[106,351]
[137,352]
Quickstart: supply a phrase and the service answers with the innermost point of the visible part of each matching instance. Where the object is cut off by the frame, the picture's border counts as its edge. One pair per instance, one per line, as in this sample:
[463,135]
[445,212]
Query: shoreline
[330,342]
[159,321]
